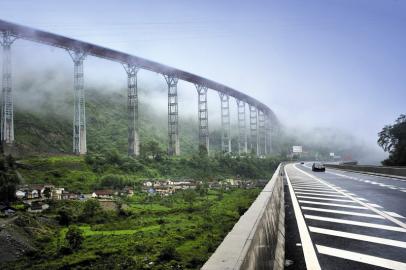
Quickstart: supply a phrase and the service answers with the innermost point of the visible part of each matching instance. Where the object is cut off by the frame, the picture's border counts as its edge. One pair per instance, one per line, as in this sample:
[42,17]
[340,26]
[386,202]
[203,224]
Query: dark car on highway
[318,167]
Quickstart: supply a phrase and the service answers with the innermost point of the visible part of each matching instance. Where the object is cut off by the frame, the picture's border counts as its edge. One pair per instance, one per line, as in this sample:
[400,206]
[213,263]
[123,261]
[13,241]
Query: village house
[37,207]
[57,193]
[103,194]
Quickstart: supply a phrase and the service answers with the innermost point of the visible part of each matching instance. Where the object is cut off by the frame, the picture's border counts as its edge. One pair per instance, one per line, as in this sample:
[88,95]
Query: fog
[333,72]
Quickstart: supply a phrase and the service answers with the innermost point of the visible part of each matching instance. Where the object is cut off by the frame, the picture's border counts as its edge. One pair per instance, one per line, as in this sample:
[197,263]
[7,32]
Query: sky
[315,63]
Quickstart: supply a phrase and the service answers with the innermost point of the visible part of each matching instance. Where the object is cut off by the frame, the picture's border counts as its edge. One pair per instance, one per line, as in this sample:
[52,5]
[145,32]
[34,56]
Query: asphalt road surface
[349,220]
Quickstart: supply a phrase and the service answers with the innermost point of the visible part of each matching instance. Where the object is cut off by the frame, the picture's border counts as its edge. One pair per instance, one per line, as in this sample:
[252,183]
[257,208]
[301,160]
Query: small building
[103,194]
[57,193]
[20,194]
[37,207]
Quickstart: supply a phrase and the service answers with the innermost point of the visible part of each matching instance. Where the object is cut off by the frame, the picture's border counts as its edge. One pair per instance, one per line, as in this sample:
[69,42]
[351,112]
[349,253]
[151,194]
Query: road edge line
[309,252]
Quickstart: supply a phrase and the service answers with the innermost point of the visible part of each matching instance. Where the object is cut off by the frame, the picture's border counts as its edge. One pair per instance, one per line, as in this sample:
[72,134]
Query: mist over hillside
[44,112]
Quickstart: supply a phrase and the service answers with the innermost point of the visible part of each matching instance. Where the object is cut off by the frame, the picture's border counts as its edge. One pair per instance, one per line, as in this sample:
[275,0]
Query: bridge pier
[261,134]
[242,133]
[203,116]
[132,110]
[225,123]
[173,121]
[268,137]
[7,111]
[79,116]
[254,147]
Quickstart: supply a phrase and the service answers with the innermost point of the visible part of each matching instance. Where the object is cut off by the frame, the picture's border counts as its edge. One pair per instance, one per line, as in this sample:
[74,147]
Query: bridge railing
[257,240]
[379,170]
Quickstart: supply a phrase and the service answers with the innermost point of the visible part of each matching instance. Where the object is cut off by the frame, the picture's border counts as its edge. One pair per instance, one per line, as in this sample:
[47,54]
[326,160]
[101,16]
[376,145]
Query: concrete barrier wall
[395,171]
[257,240]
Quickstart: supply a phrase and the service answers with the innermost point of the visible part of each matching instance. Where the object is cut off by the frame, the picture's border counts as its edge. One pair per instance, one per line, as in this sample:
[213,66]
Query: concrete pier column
[79,116]
[242,132]
[173,117]
[254,146]
[261,133]
[7,110]
[132,110]
[225,123]
[203,117]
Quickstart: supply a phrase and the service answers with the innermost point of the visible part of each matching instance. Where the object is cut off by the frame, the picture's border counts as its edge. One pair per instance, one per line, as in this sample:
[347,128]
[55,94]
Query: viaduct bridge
[261,119]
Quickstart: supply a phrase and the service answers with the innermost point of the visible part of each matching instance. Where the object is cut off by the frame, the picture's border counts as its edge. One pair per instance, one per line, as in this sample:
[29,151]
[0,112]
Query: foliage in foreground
[392,139]
[148,233]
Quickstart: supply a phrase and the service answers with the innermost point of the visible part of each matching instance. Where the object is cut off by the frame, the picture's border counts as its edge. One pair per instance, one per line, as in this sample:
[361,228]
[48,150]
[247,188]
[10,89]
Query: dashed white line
[313,190]
[357,236]
[321,194]
[356,223]
[341,212]
[363,258]
[333,204]
[323,199]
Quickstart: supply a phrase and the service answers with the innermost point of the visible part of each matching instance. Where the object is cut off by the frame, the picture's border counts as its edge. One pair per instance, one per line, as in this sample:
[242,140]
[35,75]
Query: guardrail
[257,240]
[384,170]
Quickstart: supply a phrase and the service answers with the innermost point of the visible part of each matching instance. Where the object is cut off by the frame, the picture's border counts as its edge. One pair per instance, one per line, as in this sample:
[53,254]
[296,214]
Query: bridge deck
[63,42]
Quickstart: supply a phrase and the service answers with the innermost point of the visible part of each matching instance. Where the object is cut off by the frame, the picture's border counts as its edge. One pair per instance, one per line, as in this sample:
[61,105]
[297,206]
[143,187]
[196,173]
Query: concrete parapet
[379,170]
[257,240]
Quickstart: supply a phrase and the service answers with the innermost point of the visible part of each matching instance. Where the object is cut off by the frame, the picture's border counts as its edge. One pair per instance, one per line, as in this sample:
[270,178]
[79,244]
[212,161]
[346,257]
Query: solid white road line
[321,194]
[341,212]
[323,199]
[359,257]
[307,244]
[333,204]
[356,236]
[379,212]
[356,223]
[393,214]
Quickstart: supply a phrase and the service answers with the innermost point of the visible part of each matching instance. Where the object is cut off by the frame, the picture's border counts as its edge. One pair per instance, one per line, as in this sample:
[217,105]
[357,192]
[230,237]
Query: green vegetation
[112,170]
[179,231]
[392,139]
[150,232]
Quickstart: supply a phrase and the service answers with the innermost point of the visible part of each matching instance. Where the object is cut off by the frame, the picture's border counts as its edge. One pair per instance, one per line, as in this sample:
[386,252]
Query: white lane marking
[361,199]
[361,237]
[323,199]
[333,204]
[310,186]
[379,212]
[362,258]
[357,223]
[341,212]
[321,194]
[313,190]
[308,248]
[374,205]
[393,214]
[365,181]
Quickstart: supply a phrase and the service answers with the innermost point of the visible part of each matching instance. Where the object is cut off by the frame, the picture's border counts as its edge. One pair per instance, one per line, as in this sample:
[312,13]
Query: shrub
[74,236]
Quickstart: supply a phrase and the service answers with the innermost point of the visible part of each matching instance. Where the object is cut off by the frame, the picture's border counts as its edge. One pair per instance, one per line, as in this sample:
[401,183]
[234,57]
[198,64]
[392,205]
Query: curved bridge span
[260,115]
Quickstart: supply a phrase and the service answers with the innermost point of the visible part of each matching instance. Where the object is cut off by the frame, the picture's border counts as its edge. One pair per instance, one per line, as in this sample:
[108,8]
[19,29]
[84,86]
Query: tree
[392,139]
[90,209]
[152,148]
[65,216]
[47,192]
[8,179]
[74,236]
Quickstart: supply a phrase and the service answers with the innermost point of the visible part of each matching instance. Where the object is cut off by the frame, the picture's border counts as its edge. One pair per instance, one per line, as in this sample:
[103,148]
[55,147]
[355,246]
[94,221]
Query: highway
[348,220]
